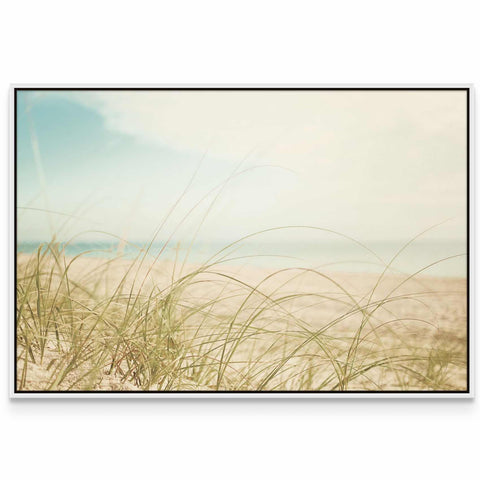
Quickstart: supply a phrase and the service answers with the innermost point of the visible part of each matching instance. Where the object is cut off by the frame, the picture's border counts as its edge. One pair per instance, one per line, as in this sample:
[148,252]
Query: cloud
[278,123]
[360,157]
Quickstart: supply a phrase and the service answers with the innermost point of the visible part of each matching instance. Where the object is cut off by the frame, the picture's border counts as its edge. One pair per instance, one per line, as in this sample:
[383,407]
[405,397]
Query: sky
[374,165]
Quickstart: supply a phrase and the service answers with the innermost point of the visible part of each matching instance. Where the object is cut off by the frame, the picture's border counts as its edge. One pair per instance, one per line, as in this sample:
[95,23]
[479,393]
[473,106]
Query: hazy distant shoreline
[335,256]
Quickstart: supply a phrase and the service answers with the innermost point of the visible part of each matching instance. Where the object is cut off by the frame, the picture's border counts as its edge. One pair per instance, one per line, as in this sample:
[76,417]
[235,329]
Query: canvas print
[214,240]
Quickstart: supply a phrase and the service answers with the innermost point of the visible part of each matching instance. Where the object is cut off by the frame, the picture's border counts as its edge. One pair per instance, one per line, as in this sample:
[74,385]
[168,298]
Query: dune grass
[143,324]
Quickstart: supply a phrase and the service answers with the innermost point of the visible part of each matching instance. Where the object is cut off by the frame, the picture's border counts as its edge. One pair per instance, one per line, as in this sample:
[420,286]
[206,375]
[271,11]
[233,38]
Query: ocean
[341,255]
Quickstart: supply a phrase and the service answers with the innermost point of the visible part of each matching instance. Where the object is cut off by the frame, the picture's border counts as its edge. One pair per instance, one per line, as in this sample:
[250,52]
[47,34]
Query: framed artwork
[240,241]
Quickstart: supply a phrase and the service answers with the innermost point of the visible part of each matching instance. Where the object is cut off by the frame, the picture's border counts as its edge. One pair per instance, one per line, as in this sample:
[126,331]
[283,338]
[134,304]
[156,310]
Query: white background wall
[241,42]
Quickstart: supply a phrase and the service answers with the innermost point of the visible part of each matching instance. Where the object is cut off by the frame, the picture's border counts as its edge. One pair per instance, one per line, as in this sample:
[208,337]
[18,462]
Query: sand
[424,318]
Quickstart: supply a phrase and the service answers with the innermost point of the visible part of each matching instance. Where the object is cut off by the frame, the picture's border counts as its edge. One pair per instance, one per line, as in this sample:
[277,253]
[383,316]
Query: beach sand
[289,330]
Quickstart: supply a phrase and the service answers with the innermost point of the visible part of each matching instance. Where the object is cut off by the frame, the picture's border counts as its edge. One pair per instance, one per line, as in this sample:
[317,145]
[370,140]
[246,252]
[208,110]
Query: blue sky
[109,179]
[373,165]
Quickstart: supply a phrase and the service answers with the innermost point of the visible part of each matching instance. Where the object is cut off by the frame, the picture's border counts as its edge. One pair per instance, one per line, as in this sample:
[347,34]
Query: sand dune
[235,328]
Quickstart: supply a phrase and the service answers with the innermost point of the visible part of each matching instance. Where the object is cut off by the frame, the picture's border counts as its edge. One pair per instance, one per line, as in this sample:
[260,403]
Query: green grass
[92,324]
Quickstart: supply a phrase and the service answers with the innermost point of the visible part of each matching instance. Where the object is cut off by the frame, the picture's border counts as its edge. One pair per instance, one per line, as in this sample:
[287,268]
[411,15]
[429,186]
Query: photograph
[241,240]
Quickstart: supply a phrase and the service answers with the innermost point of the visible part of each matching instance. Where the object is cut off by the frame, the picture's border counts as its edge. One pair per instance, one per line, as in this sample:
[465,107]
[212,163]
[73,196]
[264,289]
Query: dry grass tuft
[96,324]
